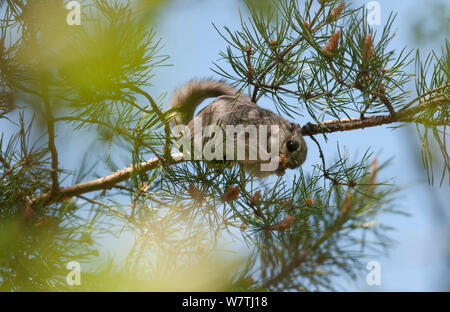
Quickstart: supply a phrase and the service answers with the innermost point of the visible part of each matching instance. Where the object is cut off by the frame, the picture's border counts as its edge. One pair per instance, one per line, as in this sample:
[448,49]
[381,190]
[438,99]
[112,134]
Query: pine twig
[282,55]
[51,135]
[106,182]
[116,211]
[373,121]
[324,168]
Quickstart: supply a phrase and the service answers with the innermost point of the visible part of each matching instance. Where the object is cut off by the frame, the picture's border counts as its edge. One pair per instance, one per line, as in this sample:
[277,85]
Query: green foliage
[437,80]
[286,60]
[333,226]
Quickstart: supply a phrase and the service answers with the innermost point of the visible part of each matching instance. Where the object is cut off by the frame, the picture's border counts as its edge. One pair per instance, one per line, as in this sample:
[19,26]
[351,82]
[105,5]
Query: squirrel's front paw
[282,165]
[280,172]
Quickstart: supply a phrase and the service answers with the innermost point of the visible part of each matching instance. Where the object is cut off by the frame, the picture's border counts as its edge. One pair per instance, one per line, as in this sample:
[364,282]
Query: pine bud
[368,47]
[231,194]
[254,200]
[373,180]
[195,192]
[143,187]
[347,205]
[332,44]
[336,12]
[309,202]
[285,223]
[249,73]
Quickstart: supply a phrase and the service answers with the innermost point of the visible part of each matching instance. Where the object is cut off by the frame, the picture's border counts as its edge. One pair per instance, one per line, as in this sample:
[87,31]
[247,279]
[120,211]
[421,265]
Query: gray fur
[232,108]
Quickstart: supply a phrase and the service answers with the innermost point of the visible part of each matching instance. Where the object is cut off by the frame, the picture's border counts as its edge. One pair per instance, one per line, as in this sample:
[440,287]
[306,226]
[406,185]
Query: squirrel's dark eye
[291,146]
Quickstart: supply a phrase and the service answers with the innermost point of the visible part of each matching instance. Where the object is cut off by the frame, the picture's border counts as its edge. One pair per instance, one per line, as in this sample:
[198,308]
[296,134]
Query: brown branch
[9,170]
[106,182]
[5,163]
[372,121]
[51,135]
[322,6]
[7,166]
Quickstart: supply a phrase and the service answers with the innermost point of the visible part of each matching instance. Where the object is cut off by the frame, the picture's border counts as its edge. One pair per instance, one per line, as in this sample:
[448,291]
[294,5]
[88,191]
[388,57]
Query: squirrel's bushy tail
[186,99]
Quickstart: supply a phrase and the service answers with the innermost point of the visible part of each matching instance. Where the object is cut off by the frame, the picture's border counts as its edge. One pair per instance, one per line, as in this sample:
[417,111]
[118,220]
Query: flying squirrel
[234,108]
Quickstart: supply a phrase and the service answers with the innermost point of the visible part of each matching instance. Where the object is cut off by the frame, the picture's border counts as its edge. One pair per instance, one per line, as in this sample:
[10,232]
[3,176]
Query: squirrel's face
[292,148]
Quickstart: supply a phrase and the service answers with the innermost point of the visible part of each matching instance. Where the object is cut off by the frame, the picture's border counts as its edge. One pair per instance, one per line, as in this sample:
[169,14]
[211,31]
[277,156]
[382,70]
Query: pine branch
[376,94]
[303,255]
[324,168]
[309,129]
[377,120]
[116,211]
[51,134]
[5,163]
[284,53]
[106,182]
[160,114]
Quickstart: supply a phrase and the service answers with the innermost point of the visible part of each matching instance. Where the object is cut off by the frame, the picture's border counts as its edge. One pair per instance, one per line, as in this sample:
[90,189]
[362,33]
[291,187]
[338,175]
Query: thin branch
[296,93]
[322,6]
[303,255]
[5,163]
[373,121]
[9,170]
[106,182]
[143,193]
[8,167]
[423,95]
[379,94]
[271,66]
[116,211]
[324,168]
[51,135]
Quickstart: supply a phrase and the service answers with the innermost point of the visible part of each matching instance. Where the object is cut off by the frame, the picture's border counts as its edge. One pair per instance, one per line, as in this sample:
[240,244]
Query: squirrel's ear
[294,126]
